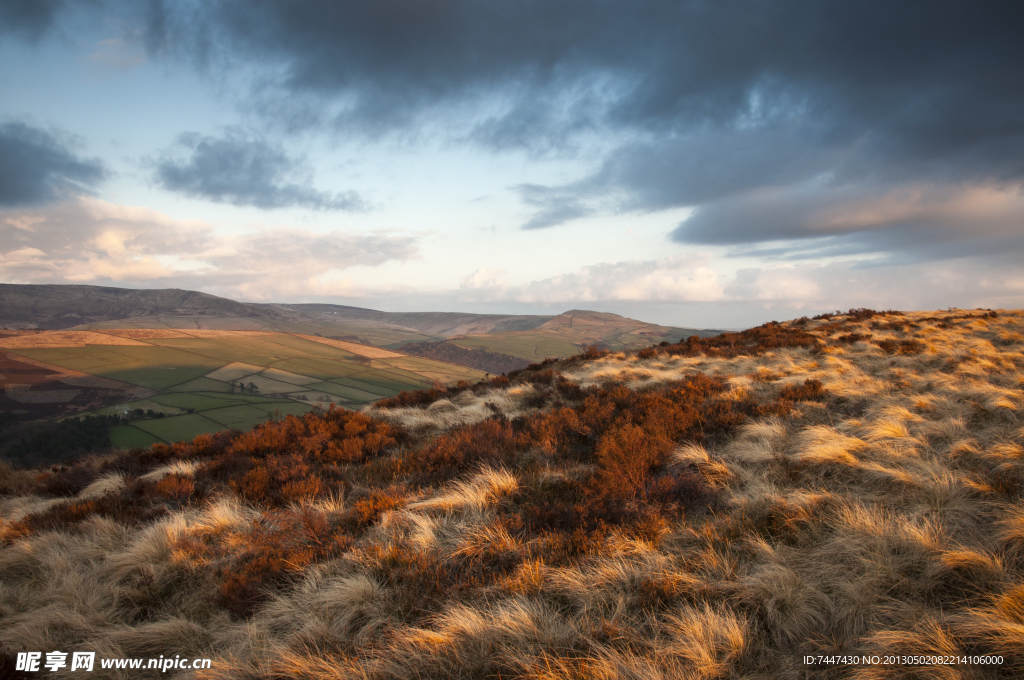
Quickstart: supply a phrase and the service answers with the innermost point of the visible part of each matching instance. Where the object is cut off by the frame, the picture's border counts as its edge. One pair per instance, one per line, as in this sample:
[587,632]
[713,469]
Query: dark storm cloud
[938,76]
[242,170]
[932,219]
[709,100]
[700,101]
[554,206]
[28,18]
[37,166]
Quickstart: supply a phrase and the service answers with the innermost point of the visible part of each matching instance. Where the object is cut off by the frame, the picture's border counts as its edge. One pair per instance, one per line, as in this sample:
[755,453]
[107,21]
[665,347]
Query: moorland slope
[55,307]
[565,334]
[58,307]
[719,507]
[494,343]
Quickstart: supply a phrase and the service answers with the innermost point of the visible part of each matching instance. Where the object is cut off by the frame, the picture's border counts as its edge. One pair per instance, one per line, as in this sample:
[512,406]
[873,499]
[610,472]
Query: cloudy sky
[707,163]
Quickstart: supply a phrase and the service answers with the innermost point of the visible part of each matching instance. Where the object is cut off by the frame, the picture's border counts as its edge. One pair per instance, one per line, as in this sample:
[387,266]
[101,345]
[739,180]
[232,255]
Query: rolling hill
[448,336]
[58,307]
[565,334]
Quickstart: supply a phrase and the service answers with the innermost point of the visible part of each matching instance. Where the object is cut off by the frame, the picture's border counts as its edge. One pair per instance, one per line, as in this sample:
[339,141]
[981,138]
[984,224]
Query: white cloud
[678,278]
[968,282]
[483,278]
[86,240]
[750,295]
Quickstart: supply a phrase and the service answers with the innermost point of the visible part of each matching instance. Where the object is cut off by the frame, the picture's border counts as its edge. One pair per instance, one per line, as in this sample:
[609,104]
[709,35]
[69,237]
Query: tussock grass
[711,509]
[484,488]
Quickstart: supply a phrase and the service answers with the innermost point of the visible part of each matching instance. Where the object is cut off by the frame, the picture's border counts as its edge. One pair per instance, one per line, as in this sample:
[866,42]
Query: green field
[179,428]
[203,384]
[229,415]
[153,367]
[129,437]
[184,400]
[237,380]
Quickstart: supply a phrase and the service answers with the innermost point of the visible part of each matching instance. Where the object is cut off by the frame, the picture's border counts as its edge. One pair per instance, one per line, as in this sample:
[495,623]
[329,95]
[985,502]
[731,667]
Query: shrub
[65,480]
[129,507]
[277,549]
[901,347]
[366,510]
[626,455]
[810,390]
[175,487]
[679,489]
[888,346]
[753,341]
[459,450]
[278,480]
[591,352]
[423,584]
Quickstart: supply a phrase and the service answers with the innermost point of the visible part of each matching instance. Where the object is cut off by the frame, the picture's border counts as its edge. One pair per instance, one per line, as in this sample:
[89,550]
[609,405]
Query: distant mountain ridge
[438,323]
[495,343]
[59,307]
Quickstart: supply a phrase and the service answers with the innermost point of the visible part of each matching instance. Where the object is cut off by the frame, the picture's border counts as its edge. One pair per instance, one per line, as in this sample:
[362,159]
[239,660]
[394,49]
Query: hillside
[444,324]
[57,307]
[481,359]
[723,507]
[566,333]
[507,341]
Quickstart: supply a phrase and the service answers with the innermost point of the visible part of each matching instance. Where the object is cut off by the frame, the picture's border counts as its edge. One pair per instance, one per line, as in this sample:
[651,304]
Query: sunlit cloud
[87,240]
[484,278]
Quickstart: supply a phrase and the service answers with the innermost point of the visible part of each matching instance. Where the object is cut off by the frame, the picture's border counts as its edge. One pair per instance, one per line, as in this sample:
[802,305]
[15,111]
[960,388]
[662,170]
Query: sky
[691,163]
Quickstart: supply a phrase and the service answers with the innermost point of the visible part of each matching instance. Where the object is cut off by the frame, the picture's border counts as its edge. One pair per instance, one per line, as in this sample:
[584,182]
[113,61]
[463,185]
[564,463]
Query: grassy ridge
[567,333]
[492,362]
[719,507]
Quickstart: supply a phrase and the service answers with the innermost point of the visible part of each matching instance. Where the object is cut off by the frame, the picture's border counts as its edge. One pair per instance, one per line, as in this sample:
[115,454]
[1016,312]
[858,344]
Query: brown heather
[715,508]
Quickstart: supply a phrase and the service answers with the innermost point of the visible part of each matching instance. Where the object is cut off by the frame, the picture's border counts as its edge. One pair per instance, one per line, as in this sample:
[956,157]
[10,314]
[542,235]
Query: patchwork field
[192,382]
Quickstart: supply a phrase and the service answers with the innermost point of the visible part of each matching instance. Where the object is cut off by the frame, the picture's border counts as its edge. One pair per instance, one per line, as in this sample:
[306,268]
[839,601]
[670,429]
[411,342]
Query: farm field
[176,384]
[374,334]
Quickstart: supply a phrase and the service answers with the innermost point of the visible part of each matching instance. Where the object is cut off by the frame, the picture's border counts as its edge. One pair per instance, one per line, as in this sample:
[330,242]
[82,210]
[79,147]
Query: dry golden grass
[64,339]
[883,516]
